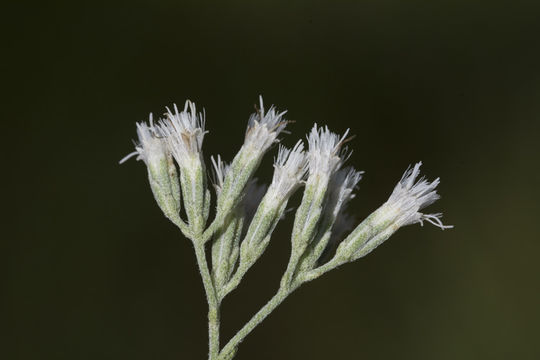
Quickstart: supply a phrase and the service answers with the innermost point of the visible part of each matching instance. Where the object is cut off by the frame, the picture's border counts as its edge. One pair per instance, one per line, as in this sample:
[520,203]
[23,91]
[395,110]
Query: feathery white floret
[290,167]
[151,145]
[326,152]
[341,188]
[184,131]
[340,192]
[264,128]
[220,170]
[411,195]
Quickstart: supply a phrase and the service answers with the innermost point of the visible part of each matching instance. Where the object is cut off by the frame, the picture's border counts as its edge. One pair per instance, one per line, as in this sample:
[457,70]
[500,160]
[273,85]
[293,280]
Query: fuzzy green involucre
[225,249]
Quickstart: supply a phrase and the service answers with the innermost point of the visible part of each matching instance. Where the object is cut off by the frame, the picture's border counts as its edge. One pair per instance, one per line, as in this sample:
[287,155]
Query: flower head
[151,146]
[290,168]
[184,131]
[153,149]
[326,152]
[264,128]
[411,195]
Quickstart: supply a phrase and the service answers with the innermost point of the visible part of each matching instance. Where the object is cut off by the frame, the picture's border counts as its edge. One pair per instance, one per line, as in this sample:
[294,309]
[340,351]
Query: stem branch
[231,346]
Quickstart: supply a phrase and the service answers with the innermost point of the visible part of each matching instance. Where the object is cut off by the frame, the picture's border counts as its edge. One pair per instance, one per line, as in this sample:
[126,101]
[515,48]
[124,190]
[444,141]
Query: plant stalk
[213,304]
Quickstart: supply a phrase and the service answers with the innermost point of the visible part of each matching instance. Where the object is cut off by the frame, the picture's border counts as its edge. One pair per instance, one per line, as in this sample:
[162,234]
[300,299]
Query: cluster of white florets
[184,132]
[326,151]
[264,127]
[410,196]
[290,167]
[181,134]
[151,146]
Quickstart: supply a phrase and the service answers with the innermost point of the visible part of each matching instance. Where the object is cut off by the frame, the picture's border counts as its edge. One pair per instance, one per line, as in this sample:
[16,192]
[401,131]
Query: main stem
[213,304]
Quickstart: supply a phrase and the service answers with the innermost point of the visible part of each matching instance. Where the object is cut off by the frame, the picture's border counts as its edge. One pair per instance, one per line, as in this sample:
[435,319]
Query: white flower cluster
[184,131]
[326,151]
[246,214]
[150,143]
[264,128]
[290,168]
[410,196]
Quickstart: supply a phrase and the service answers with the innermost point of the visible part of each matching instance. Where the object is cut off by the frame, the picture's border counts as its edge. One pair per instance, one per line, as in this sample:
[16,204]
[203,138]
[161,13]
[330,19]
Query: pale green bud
[326,154]
[262,131]
[262,225]
[184,131]
[290,167]
[225,249]
[165,187]
[402,208]
[162,174]
[340,192]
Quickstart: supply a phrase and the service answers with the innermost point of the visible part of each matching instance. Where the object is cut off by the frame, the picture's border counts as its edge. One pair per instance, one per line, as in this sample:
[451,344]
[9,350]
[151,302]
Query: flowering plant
[246,213]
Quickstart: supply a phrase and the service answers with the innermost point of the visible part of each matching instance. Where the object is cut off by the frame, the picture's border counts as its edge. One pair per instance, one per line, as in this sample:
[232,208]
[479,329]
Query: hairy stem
[231,346]
[233,282]
[287,277]
[184,228]
[323,269]
[213,305]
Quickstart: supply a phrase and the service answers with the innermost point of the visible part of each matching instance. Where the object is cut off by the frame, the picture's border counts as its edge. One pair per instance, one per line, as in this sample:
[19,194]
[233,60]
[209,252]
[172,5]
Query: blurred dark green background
[91,268]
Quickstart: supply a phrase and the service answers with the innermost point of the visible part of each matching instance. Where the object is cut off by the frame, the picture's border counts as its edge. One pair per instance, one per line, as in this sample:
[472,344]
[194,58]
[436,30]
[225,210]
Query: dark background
[92,270]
